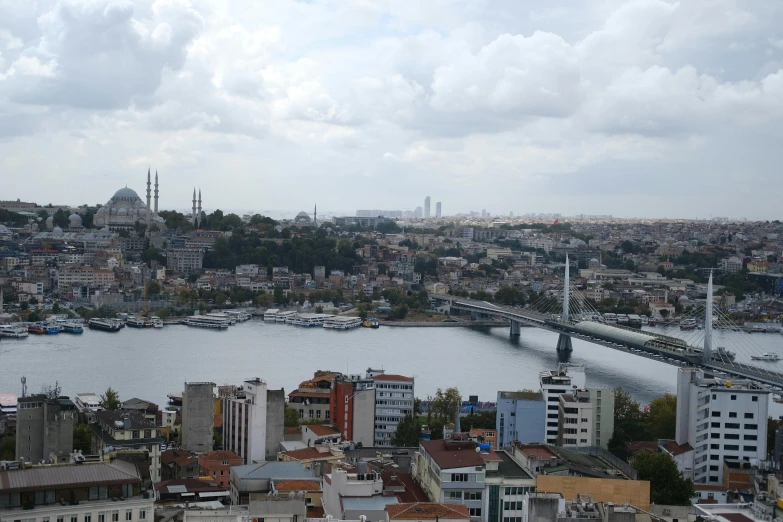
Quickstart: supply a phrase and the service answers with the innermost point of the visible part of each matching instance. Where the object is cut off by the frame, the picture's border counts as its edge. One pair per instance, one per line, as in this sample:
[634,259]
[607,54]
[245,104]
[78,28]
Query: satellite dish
[478,450]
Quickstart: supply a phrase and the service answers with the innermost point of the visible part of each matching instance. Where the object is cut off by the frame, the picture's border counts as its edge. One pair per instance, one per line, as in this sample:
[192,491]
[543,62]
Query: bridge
[578,320]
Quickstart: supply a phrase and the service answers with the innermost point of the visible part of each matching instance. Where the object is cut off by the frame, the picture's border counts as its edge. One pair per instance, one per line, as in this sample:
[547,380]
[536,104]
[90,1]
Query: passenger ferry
[310,319]
[239,315]
[283,317]
[271,314]
[106,325]
[156,322]
[13,331]
[688,324]
[36,329]
[137,322]
[610,318]
[71,327]
[205,321]
[340,322]
[223,316]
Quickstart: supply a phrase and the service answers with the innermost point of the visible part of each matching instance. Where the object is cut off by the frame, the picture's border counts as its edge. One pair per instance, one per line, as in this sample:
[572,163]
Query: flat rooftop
[508,468]
[728,512]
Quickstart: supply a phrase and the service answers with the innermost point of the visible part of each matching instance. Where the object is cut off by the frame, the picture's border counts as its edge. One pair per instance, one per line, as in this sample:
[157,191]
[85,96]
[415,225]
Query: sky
[635,108]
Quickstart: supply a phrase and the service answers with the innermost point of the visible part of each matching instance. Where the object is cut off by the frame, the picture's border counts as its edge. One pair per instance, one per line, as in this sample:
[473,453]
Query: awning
[208,494]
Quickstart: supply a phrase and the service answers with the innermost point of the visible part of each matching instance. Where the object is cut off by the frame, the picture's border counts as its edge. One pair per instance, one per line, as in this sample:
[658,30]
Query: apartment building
[253,421]
[722,419]
[521,416]
[198,416]
[184,259]
[394,398]
[554,383]
[44,428]
[575,420]
[128,430]
[75,275]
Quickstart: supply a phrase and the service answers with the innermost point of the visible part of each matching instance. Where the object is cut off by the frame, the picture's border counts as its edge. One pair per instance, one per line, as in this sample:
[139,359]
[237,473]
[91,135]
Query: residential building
[722,420]
[185,260]
[575,418]
[322,455]
[394,398]
[484,436]
[189,490]
[438,208]
[507,482]
[44,428]
[75,275]
[128,430]
[178,464]
[602,400]
[521,416]
[251,270]
[95,492]
[312,398]
[198,416]
[315,434]
[349,494]
[259,478]
[553,384]
[259,507]
[217,465]
[352,407]
[433,511]
[253,421]
[427,207]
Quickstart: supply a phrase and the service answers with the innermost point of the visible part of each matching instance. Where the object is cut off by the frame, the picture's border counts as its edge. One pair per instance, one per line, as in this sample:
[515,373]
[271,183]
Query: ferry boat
[106,325]
[340,322]
[283,317]
[271,314]
[13,331]
[72,327]
[137,322]
[772,357]
[688,324]
[37,329]
[156,322]
[225,317]
[239,315]
[51,328]
[205,321]
[310,319]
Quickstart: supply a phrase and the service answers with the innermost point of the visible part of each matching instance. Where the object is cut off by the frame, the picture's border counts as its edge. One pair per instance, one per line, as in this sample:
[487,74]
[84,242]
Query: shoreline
[450,324]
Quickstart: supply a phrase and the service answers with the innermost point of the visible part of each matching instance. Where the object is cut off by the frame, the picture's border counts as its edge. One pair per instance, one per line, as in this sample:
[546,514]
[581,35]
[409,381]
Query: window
[135,434]
[751,426]
[731,436]
[755,398]
[732,414]
[60,518]
[506,505]
[128,514]
[714,446]
[730,447]
[713,468]
[101,516]
[473,495]
[715,424]
[716,414]
[714,396]
[87,517]
[453,495]
[714,457]
[750,437]
[93,495]
[74,518]
[475,512]
[459,477]
[734,397]
[748,415]
[115,516]
[714,435]
[732,426]
[713,478]
[142,514]
[749,448]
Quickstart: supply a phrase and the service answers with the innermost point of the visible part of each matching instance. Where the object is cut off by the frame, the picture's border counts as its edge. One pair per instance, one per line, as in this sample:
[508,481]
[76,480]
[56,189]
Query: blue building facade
[521,416]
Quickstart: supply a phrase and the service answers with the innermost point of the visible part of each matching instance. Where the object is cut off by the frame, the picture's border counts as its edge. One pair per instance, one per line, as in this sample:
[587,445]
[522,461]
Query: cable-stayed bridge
[572,316]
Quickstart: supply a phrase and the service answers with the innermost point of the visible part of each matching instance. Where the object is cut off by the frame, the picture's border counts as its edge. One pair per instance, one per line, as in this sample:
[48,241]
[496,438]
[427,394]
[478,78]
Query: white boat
[223,316]
[204,321]
[766,357]
[340,322]
[271,314]
[309,319]
[239,315]
[283,317]
[156,322]
[13,331]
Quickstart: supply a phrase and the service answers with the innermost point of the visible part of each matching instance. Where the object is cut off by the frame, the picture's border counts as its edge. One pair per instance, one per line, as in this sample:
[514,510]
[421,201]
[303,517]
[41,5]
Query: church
[126,208]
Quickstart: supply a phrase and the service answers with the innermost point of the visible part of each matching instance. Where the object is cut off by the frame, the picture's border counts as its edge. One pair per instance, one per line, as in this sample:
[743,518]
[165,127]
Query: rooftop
[426,510]
[728,512]
[272,470]
[298,485]
[392,377]
[137,421]
[323,431]
[118,472]
[509,468]
[449,455]
[374,503]
[522,395]
[536,451]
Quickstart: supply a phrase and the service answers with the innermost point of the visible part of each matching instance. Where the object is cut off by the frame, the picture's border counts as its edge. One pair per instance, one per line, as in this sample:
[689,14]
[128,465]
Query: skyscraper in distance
[427,207]
[438,210]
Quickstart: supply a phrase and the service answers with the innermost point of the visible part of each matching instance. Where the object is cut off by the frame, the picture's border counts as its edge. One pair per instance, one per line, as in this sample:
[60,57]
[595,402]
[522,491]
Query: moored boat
[772,357]
[135,322]
[13,331]
[688,324]
[156,322]
[204,321]
[36,329]
[339,322]
[106,325]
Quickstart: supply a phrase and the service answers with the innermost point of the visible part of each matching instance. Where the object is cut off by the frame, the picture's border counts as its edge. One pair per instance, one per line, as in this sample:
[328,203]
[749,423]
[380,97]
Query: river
[151,363]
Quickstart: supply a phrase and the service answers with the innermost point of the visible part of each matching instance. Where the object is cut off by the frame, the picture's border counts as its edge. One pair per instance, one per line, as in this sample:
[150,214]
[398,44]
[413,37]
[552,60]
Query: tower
[194,207]
[199,208]
[438,210]
[427,207]
[315,215]
[149,195]
[156,193]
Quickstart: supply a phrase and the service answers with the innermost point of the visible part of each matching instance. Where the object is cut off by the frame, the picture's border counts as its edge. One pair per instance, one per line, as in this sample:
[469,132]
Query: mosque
[126,208]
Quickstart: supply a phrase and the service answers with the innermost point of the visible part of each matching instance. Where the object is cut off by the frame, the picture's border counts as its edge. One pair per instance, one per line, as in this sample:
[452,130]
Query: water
[150,363]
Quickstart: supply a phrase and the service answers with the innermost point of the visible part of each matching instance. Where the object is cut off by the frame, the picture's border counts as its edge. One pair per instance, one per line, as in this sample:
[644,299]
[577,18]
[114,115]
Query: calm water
[151,363]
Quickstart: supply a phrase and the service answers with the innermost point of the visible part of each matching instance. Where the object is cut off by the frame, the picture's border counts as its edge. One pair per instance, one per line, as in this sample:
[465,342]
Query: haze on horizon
[646,108]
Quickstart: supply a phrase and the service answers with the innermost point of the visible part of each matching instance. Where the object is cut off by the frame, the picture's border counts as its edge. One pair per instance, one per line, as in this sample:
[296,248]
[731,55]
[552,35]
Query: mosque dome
[684,298]
[74,217]
[125,192]
[302,217]
[57,231]
[50,219]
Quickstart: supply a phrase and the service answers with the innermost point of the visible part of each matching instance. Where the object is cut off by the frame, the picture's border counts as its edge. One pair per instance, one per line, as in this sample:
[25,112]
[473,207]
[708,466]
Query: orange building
[483,436]
[216,464]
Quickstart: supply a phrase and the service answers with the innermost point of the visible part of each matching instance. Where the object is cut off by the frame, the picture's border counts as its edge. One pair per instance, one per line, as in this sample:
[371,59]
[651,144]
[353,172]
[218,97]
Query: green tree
[8,448]
[264,300]
[110,400]
[662,417]
[279,295]
[364,309]
[56,307]
[399,313]
[664,313]
[60,219]
[153,288]
[445,404]
[408,432]
[629,424]
[667,485]
[291,419]
[82,438]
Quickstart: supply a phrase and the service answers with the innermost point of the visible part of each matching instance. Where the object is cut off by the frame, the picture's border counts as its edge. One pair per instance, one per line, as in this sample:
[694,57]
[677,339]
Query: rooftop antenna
[24,386]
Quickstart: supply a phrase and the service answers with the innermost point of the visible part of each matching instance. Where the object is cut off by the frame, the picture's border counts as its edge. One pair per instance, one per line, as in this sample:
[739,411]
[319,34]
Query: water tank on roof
[484,447]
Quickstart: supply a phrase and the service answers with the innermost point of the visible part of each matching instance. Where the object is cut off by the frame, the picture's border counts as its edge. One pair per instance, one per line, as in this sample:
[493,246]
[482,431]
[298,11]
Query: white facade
[244,422]
[721,419]
[555,383]
[251,270]
[603,415]
[576,420]
[184,259]
[393,400]
[131,510]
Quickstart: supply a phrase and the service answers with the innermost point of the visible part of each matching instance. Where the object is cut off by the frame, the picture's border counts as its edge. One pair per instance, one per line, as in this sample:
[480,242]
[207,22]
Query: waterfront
[149,363]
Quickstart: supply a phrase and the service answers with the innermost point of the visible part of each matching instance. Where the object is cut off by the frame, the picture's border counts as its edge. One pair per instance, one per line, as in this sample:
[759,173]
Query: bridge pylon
[564,343]
[563,340]
[514,328]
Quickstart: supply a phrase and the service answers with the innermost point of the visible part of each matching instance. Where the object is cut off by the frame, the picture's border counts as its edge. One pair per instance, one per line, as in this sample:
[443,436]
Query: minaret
[315,215]
[194,206]
[199,208]
[149,195]
[156,193]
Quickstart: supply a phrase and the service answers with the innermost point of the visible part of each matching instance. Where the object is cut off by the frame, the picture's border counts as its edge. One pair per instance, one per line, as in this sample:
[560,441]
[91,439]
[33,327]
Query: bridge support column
[514,329]
[564,343]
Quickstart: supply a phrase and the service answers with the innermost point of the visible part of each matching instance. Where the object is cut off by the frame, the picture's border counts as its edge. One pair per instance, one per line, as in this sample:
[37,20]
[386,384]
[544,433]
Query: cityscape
[391,262]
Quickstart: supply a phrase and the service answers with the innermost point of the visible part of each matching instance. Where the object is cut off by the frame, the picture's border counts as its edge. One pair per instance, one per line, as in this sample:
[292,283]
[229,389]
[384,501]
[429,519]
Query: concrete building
[251,270]
[128,432]
[44,428]
[253,421]
[438,212]
[217,465]
[554,383]
[260,478]
[521,416]
[427,207]
[722,420]
[185,260]
[575,428]
[198,416]
[95,492]
[349,495]
[602,400]
[312,398]
[394,398]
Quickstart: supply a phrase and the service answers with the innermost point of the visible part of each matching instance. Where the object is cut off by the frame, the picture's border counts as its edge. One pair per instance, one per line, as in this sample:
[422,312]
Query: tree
[664,313]
[60,219]
[264,300]
[408,432]
[399,312]
[82,438]
[667,485]
[291,419]
[363,309]
[629,424]
[662,417]
[153,288]
[8,448]
[444,405]
[279,295]
[164,313]
[110,401]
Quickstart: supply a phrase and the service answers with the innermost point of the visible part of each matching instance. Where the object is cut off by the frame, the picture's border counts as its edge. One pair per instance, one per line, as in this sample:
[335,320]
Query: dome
[50,219]
[122,211]
[125,192]
[684,298]
[57,231]
[74,217]
[104,231]
[302,217]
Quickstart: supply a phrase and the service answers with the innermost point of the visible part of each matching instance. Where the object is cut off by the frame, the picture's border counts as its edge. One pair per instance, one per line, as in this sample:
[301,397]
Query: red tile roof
[538,451]
[392,377]
[305,453]
[219,455]
[449,455]
[292,431]
[426,510]
[298,485]
[395,479]
[309,394]
[642,446]
[322,431]
[677,449]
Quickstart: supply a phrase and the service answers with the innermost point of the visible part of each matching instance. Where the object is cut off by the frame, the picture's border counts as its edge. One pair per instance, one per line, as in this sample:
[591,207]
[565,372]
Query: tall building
[438,212]
[128,432]
[603,415]
[427,207]
[253,421]
[198,416]
[44,427]
[554,383]
[521,416]
[393,400]
[575,428]
[418,213]
[722,420]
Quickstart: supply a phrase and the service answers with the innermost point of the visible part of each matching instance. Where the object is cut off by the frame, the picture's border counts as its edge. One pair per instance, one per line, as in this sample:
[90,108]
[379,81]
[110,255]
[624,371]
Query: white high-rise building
[427,207]
[554,383]
[438,212]
[721,419]
[576,419]
[245,422]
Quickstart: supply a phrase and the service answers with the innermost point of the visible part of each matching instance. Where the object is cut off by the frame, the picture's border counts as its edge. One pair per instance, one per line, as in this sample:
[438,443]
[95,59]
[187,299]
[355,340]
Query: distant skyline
[635,108]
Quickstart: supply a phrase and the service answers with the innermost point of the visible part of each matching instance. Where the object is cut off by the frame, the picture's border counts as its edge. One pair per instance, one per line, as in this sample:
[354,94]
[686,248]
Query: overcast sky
[634,108]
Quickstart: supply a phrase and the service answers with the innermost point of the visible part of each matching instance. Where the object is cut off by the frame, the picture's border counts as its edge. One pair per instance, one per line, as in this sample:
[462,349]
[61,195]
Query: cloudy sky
[631,107]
